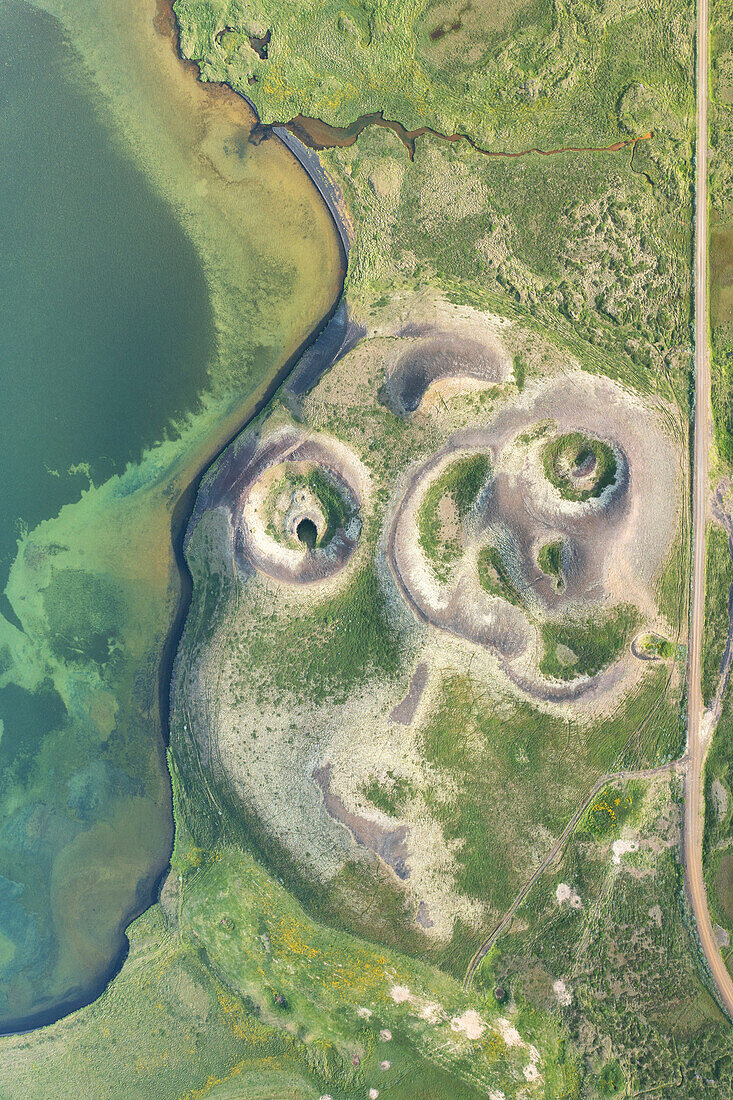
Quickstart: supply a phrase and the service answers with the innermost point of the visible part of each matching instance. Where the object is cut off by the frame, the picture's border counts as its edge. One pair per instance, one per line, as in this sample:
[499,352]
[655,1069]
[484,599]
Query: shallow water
[156,266]
[107,327]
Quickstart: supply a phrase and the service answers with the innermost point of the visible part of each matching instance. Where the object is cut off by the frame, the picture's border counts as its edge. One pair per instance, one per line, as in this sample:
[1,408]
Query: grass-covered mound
[654,647]
[457,487]
[579,466]
[549,560]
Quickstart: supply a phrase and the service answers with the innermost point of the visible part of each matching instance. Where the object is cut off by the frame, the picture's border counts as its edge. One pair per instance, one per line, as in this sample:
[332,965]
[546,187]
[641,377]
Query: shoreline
[149,891]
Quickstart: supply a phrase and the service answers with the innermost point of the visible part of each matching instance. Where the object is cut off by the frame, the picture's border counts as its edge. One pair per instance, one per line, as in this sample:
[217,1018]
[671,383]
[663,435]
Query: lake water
[106,323]
[156,268]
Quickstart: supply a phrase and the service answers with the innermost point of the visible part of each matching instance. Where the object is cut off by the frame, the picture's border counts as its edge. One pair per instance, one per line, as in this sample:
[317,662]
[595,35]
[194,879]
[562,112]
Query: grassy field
[577,648]
[327,650]
[518,775]
[596,244]
[721,231]
[719,819]
[616,958]
[718,579]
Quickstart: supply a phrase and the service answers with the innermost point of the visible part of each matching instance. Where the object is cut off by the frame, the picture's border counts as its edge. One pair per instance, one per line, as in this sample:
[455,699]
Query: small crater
[307,533]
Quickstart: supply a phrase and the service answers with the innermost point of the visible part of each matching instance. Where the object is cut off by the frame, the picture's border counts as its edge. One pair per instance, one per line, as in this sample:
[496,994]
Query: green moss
[593,643]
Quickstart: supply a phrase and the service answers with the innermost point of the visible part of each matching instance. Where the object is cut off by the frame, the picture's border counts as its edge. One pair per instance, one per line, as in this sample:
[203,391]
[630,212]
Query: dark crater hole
[307,532]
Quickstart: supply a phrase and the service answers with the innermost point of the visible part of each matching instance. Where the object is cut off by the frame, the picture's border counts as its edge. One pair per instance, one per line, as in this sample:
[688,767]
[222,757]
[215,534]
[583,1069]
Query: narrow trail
[550,857]
[700,724]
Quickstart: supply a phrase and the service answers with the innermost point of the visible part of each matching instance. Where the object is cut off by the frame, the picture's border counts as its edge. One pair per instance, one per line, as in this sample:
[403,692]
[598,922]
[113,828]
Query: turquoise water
[106,335]
[105,325]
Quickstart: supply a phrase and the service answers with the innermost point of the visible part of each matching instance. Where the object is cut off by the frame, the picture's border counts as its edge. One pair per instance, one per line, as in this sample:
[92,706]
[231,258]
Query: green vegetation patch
[579,466]
[494,576]
[658,1032]
[611,1079]
[460,483]
[549,560]
[389,797]
[718,579]
[337,510]
[329,649]
[655,646]
[504,768]
[584,646]
[717,865]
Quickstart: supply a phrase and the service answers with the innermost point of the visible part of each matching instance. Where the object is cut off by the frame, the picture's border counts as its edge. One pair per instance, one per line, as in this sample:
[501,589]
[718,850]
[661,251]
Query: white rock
[621,847]
[470,1023]
[400,994]
[509,1034]
[565,893]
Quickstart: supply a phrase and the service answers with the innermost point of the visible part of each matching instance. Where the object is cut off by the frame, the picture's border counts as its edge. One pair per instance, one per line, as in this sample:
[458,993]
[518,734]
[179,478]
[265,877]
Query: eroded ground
[329,661]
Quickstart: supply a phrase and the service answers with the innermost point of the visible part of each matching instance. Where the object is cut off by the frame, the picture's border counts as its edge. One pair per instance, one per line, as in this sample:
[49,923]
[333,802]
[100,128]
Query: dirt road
[698,726]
